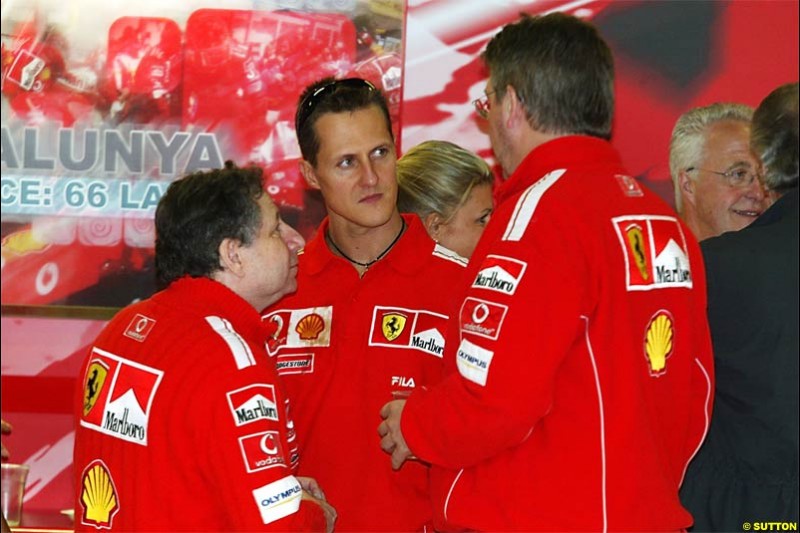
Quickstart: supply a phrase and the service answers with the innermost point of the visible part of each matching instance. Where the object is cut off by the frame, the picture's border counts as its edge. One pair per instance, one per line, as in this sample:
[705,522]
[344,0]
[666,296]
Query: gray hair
[561,69]
[775,137]
[437,177]
[688,137]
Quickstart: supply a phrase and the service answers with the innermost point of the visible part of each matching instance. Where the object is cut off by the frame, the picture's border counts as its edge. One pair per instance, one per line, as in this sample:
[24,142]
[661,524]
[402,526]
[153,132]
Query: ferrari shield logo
[392,325]
[95,378]
[637,246]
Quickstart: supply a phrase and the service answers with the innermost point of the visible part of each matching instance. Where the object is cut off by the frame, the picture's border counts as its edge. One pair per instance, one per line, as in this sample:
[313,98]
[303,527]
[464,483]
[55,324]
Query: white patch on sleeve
[241,352]
[526,205]
[473,362]
[450,255]
[278,499]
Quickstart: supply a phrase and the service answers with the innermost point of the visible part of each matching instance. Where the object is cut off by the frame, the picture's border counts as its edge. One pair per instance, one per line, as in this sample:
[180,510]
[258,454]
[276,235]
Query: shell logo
[310,326]
[99,495]
[659,344]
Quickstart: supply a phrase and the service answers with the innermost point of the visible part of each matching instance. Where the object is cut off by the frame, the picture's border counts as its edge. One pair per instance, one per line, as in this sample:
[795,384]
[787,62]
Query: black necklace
[369,263]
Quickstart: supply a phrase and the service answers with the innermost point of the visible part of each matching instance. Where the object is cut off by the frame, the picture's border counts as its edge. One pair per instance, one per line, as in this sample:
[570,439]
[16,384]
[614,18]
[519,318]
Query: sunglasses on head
[313,98]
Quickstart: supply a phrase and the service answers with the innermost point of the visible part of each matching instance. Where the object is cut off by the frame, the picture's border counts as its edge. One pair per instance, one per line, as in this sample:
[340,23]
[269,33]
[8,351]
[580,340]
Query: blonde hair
[438,177]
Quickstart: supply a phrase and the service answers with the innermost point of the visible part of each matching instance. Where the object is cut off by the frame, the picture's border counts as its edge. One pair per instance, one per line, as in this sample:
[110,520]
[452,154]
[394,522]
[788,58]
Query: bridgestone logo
[291,364]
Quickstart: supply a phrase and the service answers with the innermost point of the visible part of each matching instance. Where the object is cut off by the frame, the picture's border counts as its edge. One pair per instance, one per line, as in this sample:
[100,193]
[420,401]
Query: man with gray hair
[714,171]
[579,362]
[747,469]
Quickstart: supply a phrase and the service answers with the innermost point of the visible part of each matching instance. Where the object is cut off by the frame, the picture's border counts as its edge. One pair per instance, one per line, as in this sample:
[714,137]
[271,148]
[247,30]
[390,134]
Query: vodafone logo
[269,443]
[482,317]
[262,450]
[480,313]
[47,278]
[139,327]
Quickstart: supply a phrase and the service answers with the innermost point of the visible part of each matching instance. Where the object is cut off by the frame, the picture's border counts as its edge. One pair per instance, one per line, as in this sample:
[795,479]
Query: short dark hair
[774,137]
[330,95]
[198,212]
[561,69]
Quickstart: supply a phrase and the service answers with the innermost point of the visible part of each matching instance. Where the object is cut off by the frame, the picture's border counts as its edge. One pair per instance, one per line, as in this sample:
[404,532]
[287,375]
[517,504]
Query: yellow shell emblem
[310,326]
[392,325]
[99,496]
[636,243]
[95,378]
[658,342]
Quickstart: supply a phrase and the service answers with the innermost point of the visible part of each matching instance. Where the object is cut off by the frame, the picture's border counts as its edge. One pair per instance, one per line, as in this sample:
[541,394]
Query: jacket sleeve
[517,322]
[244,449]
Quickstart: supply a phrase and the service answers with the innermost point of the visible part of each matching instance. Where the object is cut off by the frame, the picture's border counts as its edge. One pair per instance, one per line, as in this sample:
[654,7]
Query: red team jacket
[581,367]
[182,425]
[343,345]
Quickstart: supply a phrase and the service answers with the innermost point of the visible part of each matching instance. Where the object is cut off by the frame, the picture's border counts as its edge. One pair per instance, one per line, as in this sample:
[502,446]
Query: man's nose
[369,177]
[294,241]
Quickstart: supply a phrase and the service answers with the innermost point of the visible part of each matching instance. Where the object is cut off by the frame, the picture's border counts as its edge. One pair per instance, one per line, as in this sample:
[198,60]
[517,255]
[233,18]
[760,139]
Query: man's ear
[308,173]
[513,108]
[433,223]
[687,187]
[230,258]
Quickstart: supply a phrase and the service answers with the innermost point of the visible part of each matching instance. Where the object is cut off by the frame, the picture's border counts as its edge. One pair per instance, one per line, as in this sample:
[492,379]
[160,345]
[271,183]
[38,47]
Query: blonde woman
[450,188]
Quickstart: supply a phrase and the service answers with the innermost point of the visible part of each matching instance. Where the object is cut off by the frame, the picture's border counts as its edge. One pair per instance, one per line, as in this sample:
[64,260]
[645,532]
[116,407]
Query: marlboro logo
[500,274]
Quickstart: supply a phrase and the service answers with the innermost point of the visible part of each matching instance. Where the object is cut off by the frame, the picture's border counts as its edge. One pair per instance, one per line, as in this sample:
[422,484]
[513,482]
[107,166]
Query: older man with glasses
[368,320]
[747,470]
[715,174]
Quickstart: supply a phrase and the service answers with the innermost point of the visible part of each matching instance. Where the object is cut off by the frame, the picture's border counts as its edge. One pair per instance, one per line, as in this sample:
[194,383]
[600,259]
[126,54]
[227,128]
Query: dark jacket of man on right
[747,470]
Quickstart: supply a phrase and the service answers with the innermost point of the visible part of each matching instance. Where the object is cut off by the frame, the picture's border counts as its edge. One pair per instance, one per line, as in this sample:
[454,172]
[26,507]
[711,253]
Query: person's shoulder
[774,231]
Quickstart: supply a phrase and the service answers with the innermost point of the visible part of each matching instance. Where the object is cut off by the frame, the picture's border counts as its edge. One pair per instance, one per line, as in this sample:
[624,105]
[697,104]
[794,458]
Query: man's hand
[312,492]
[310,485]
[392,440]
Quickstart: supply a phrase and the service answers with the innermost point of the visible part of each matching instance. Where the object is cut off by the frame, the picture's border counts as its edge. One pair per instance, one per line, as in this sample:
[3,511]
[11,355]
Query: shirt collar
[563,152]
[404,257]
[206,297]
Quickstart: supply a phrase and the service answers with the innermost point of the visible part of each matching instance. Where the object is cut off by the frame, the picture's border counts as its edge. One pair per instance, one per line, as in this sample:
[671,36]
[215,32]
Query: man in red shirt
[580,363]
[369,317]
[183,424]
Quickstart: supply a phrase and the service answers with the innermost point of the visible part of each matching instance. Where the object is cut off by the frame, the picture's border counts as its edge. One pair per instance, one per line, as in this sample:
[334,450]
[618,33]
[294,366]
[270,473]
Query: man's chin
[290,288]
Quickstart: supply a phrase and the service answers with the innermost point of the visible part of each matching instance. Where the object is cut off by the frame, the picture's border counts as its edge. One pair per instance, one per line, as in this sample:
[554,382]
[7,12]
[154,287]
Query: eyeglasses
[312,99]
[737,178]
[482,104]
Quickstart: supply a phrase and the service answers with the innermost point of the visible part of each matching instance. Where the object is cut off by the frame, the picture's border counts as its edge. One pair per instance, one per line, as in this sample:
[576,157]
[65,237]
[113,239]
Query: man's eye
[740,175]
[346,163]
